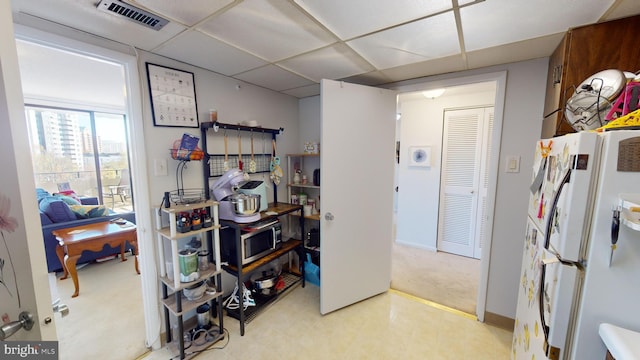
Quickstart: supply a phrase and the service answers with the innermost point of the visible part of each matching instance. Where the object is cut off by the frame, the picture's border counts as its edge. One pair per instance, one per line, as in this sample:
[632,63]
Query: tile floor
[392,325]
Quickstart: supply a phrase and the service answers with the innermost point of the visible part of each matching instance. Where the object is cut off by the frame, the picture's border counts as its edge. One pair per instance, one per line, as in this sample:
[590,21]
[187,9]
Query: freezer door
[545,301]
[528,338]
[560,194]
[557,298]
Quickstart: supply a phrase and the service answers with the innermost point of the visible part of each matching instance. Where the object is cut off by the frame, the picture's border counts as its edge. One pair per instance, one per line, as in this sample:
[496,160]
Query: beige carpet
[106,320]
[446,279]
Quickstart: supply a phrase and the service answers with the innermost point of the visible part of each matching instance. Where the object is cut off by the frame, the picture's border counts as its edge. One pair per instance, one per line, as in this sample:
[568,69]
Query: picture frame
[420,156]
[173,97]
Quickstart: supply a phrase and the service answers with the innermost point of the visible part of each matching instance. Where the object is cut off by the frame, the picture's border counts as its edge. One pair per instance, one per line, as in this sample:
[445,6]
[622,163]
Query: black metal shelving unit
[243,272]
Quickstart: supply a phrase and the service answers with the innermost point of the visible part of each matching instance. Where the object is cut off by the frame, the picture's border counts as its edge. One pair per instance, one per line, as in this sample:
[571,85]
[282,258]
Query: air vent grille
[133,13]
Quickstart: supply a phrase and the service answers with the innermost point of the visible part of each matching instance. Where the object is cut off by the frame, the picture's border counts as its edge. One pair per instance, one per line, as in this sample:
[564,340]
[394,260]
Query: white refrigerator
[583,185]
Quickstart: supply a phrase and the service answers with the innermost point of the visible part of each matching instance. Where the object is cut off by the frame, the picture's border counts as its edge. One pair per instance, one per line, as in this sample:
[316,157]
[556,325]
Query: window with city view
[86,150]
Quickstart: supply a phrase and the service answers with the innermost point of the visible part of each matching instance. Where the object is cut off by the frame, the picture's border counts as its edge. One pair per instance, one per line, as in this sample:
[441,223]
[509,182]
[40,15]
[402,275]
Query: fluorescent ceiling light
[432,94]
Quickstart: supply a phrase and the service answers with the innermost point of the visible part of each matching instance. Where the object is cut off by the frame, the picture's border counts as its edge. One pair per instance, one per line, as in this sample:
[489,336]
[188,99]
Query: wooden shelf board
[204,274]
[187,305]
[286,247]
[166,232]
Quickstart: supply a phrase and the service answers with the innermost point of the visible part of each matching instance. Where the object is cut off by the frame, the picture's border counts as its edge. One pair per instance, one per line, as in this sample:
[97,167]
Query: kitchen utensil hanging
[225,165]
[240,162]
[253,167]
[276,170]
[264,149]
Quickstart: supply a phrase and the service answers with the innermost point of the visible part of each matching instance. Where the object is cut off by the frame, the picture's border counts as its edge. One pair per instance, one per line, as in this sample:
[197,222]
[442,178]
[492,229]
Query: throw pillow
[41,194]
[71,194]
[56,209]
[67,199]
[89,211]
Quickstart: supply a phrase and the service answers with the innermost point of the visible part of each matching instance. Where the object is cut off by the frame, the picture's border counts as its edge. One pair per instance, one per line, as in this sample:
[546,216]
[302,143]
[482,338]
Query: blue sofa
[53,221]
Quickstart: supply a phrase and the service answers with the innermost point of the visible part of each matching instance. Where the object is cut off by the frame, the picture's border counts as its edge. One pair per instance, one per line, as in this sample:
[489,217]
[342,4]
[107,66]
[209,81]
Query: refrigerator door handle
[554,206]
[552,352]
[543,322]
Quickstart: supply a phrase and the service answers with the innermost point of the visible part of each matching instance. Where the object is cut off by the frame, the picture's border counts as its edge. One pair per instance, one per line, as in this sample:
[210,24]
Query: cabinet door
[357,161]
[552,109]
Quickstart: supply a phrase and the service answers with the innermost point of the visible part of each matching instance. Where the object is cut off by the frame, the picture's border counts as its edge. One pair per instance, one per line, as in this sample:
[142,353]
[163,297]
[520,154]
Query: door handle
[25,322]
[328,216]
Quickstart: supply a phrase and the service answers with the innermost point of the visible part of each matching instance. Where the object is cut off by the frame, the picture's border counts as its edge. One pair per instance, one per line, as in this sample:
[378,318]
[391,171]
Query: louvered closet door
[464,180]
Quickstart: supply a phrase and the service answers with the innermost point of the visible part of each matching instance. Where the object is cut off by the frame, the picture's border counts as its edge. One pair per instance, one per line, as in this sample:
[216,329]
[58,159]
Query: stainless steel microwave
[256,241]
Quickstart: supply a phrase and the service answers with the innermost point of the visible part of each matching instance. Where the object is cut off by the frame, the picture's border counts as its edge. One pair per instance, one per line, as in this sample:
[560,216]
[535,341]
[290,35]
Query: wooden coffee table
[73,241]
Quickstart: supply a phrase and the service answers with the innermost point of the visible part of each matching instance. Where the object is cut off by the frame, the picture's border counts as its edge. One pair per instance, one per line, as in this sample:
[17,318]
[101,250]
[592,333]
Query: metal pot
[245,204]
[265,282]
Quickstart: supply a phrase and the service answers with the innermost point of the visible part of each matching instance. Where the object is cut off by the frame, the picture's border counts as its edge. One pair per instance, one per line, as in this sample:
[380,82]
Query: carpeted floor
[106,320]
[443,278]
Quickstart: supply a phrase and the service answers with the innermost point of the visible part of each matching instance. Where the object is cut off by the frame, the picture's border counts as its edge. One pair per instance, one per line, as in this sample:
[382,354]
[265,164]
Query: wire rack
[216,163]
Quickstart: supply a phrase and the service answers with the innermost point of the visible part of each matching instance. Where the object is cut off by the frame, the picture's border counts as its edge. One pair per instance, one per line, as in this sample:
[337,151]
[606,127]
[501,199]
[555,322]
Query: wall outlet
[160,167]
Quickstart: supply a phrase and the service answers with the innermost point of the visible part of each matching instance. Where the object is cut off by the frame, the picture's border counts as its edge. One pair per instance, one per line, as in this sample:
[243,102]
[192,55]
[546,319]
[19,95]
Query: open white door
[357,159]
[22,260]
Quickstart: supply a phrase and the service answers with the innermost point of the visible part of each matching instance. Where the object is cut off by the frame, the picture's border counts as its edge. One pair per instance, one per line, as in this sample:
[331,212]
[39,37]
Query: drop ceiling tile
[498,22]
[273,77]
[198,49]
[333,62]
[352,18]
[176,10]
[371,78]
[418,41]
[426,68]
[519,51]
[305,91]
[83,15]
[270,29]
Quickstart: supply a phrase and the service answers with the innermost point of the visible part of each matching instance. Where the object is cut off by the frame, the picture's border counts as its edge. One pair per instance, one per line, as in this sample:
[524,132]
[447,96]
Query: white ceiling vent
[133,13]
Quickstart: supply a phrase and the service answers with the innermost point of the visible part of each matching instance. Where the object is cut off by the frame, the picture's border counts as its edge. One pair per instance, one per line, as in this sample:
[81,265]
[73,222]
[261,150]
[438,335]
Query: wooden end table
[73,241]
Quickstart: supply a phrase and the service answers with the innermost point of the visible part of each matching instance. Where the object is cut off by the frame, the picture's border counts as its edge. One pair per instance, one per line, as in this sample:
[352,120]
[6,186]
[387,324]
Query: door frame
[500,78]
[134,113]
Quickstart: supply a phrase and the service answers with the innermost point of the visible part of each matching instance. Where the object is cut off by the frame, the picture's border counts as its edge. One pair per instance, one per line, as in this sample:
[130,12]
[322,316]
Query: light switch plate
[513,164]
[160,167]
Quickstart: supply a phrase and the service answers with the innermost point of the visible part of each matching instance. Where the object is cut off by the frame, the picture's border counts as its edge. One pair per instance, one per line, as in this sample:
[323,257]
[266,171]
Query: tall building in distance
[57,133]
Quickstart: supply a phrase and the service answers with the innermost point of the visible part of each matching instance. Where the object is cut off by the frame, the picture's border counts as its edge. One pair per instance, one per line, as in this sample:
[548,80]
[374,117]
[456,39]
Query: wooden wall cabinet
[584,51]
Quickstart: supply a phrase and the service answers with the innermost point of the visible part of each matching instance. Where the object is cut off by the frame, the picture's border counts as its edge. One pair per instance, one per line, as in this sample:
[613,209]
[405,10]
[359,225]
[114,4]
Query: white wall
[419,187]
[309,121]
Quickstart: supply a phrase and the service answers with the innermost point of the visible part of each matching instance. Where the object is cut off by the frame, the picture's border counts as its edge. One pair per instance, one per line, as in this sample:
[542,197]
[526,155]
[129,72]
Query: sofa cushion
[56,209]
[89,211]
[67,199]
[44,219]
